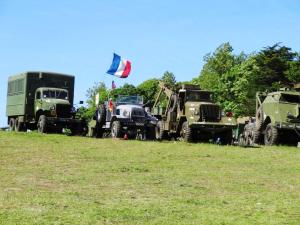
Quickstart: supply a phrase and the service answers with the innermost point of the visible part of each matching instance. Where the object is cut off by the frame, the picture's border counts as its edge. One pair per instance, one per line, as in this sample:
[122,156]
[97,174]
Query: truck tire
[18,125]
[271,135]
[259,119]
[174,101]
[12,125]
[257,136]
[116,129]
[159,131]
[187,132]
[101,115]
[42,124]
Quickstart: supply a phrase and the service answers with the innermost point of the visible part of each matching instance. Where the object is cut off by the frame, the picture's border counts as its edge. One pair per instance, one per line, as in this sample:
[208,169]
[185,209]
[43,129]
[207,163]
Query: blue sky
[79,37]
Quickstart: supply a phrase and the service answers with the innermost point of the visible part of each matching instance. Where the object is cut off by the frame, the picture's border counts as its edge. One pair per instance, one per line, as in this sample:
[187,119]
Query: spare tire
[101,115]
[174,100]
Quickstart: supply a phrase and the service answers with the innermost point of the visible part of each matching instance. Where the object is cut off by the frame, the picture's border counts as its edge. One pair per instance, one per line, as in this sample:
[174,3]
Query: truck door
[38,101]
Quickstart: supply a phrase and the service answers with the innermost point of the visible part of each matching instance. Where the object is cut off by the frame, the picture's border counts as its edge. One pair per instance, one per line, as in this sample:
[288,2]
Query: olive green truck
[43,101]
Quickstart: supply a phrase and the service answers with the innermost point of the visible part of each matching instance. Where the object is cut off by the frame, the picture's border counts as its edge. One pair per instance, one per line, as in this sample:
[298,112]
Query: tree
[169,79]
[278,66]
[91,93]
[126,89]
[148,89]
[220,73]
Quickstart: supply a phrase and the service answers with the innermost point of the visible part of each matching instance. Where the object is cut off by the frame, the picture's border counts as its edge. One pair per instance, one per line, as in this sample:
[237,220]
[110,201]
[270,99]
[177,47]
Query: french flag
[120,67]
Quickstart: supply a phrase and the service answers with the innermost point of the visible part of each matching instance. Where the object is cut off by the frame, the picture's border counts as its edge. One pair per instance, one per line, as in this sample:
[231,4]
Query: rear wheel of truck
[160,134]
[12,122]
[187,132]
[42,124]
[271,135]
[18,125]
[116,129]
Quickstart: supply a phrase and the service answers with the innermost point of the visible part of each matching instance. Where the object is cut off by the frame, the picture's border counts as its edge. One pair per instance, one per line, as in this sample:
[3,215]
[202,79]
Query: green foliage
[276,66]
[169,79]
[91,93]
[126,89]
[148,89]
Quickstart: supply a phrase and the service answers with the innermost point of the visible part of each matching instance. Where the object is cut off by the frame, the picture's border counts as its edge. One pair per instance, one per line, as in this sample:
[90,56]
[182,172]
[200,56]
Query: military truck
[42,100]
[277,119]
[191,115]
[125,116]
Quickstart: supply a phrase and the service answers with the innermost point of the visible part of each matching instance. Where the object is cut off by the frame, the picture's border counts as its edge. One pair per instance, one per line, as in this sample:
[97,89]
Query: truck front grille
[211,113]
[138,119]
[63,111]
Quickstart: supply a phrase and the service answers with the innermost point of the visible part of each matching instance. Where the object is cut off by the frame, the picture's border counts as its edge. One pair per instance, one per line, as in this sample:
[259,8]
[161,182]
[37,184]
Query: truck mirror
[80,102]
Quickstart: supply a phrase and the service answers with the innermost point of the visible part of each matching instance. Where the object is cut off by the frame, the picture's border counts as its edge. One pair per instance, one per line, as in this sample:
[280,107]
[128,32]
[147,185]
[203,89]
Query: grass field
[56,179]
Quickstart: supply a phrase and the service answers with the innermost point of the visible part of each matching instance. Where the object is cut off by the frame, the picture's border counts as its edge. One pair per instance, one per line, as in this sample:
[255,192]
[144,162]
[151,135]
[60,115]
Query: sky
[80,37]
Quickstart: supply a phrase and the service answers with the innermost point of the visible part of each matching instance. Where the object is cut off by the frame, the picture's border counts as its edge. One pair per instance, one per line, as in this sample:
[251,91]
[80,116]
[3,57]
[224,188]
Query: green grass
[56,179]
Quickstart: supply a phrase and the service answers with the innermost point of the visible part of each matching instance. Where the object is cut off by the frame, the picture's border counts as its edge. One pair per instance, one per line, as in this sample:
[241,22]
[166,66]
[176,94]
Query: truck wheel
[257,136]
[159,131]
[12,122]
[42,124]
[116,129]
[271,135]
[101,115]
[186,132]
[259,118]
[18,125]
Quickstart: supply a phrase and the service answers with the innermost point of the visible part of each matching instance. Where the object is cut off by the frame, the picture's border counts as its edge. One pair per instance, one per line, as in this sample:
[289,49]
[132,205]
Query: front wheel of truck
[42,124]
[116,129]
[187,132]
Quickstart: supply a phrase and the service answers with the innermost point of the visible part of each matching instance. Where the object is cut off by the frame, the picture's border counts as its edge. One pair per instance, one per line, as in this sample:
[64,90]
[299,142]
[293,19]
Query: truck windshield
[58,94]
[135,100]
[197,96]
[290,98]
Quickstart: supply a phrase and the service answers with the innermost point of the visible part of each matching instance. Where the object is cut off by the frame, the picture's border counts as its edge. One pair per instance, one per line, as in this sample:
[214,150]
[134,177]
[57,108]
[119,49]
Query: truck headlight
[125,113]
[52,107]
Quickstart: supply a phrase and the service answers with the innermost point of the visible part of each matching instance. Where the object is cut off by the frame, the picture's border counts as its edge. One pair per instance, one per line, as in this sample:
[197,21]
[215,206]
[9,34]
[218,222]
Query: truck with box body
[42,100]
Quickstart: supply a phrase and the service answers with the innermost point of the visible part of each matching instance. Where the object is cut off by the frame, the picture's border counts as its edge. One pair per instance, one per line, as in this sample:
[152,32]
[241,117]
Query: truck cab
[126,115]
[191,114]
[52,102]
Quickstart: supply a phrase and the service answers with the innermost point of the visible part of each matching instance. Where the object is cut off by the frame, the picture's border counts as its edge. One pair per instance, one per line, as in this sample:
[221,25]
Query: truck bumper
[289,126]
[212,127]
[62,122]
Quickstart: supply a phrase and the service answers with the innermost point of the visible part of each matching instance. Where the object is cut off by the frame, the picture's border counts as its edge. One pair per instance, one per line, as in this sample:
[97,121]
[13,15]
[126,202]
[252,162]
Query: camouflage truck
[125,116]
[277,119]
[191,114]
[41,100]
